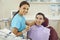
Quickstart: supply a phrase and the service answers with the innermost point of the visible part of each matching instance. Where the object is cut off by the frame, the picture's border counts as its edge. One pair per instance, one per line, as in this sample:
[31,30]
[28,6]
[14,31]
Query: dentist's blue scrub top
[18,22]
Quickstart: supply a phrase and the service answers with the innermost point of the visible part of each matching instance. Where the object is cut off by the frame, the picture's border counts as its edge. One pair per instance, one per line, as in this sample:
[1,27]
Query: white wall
[0,8]
[7,5]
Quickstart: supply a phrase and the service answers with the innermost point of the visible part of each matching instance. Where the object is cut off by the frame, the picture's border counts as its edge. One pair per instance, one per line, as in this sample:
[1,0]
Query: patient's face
[39,19]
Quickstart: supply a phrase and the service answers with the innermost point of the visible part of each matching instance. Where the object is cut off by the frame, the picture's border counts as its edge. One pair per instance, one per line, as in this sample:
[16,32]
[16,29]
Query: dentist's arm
[15,31]
[30,23]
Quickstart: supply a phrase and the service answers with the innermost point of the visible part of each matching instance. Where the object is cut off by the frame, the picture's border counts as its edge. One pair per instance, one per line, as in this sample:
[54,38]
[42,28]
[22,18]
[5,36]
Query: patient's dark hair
[41,14]
[21,4]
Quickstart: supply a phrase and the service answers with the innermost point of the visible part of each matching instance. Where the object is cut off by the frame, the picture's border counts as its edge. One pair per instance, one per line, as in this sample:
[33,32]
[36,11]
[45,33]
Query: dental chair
[53,33]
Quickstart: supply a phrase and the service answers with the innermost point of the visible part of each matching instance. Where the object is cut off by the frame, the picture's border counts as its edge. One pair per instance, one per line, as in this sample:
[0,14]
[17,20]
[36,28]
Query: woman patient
[38,31]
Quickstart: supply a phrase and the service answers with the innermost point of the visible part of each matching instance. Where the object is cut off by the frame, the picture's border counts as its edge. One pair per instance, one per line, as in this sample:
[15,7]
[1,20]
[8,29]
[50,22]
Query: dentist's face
[24,9]
[39,19]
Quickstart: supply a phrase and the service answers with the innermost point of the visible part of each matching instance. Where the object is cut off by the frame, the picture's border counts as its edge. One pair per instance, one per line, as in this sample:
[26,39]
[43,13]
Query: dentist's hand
[27,28]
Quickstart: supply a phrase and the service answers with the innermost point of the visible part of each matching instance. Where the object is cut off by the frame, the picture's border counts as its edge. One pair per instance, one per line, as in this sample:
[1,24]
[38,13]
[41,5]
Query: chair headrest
[46,22]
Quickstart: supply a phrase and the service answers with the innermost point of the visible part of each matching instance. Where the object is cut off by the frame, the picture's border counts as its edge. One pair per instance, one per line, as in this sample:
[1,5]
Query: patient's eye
[39,18]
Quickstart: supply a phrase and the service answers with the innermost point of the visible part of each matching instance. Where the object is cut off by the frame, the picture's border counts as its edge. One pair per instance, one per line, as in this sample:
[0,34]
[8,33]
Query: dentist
[18,23]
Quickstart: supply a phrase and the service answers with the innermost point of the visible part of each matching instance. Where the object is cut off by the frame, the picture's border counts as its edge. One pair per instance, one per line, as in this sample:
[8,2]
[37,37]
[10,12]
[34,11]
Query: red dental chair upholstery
[53,33]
